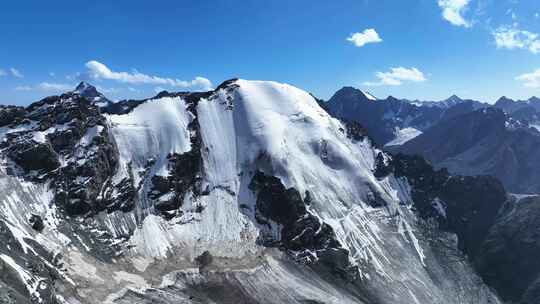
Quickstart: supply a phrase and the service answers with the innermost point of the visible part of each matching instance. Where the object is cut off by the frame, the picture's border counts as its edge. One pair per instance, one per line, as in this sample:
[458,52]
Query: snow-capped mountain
[393,121]
[251,193]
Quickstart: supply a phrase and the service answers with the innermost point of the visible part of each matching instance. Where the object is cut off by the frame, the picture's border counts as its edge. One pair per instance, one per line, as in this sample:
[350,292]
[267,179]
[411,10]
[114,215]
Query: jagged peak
[454,98]
[83,85]
[352,92]
[91,93]
[392,98]
[504,99]
[534,99]
[227,83]
[87,90]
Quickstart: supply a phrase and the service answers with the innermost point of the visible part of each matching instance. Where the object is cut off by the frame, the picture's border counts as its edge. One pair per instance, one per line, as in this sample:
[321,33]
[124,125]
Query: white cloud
[16,73]
[452,11]
[23,88]
[50,87]
[11,71]
[396,77]
[109,90]
[510,37]
[512,14]
[52,74]
[159,89]
[365,37]
[55,87]
[98,70]
[47,87]
[530,80]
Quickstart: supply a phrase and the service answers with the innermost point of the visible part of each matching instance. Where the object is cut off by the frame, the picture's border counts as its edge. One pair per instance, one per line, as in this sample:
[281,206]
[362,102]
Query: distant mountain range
[483,142]
[393,121]
[467,137]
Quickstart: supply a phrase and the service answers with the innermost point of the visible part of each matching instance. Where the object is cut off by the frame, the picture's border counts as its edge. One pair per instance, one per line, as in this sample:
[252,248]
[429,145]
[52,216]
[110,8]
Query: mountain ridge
[251,192]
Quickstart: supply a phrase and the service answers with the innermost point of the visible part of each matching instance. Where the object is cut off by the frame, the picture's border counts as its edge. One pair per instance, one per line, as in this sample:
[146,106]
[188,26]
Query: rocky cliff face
[250,193]
[496,231]
[505,259]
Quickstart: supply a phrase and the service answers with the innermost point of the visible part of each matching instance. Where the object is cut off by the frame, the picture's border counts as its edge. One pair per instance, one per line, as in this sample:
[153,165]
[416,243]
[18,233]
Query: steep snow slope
[244,127]
[151,131]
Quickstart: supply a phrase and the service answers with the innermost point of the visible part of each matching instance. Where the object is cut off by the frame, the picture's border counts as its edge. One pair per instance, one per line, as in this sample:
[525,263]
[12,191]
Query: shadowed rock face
[508,259]
[66,139]
[309,239]
[471,204]
[29,154]
[10,114]
[499,233]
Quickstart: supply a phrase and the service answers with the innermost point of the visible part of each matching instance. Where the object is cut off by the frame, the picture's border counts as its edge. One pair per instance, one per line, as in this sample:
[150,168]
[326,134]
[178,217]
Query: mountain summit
[91,93]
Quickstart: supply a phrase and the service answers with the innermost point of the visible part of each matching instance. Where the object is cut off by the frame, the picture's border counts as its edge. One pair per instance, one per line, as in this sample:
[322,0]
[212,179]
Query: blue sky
[417,49]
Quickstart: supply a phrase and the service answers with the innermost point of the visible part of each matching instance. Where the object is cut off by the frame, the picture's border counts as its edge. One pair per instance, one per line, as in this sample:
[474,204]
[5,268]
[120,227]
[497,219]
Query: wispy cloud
[158,89]
[365,37]
[530,80]
[98,70]
[24,88]
[452,11]
[16,73]
[511,37]
[51,86]
[397,76]
[47,87]
[109,90]
[512,14]
[11,72]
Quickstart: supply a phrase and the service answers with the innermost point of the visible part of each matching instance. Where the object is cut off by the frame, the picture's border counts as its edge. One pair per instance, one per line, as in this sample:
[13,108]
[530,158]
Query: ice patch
[439,207]
[403,136]
[90,134]
[369,96]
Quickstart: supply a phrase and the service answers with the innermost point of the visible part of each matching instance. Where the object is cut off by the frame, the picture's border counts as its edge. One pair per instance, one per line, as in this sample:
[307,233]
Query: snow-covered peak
[91,93]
